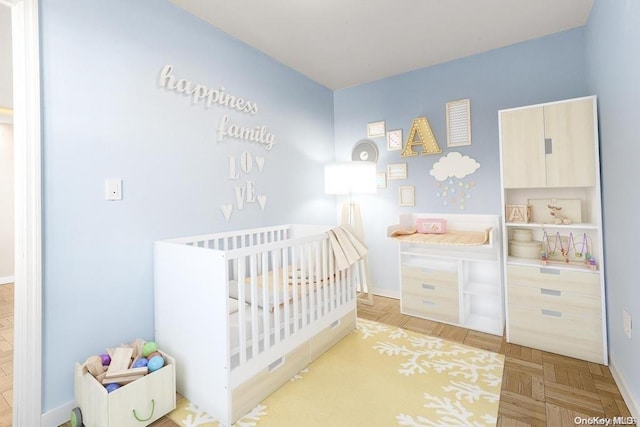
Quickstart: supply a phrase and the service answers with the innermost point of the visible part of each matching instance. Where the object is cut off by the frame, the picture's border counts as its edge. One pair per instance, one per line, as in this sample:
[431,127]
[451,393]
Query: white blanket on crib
[346,247]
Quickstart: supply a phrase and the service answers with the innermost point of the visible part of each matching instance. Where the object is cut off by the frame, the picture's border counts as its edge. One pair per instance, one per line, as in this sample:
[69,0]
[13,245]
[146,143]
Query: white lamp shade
[350,178]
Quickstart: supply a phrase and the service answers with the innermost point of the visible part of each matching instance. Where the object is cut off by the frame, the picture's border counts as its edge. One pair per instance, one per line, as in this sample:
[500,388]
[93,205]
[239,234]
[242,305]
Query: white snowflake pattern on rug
[252,418]
[299,375]
[452,413]
[369,329]
[196,417]
[470,370]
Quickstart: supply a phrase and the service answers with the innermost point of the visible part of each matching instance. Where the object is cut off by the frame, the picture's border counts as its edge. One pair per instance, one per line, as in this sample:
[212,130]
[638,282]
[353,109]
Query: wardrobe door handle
[551,313]
[551,292]
[548,146]
[549,271]
[428,286]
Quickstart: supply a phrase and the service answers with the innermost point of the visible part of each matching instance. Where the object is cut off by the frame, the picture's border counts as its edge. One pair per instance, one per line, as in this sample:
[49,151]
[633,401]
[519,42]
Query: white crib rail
[293,284]
[287,287]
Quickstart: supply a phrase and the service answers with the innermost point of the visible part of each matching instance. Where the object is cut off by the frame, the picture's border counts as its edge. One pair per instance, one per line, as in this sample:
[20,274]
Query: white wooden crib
[242,312]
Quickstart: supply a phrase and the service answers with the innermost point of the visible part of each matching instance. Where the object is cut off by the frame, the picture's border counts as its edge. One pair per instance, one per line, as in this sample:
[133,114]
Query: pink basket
[431,225]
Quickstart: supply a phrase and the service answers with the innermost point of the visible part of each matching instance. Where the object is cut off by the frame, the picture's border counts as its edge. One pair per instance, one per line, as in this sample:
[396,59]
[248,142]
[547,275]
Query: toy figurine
[558,218]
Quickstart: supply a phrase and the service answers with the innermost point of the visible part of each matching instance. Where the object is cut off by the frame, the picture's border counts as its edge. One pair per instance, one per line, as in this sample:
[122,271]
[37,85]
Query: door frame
[27,342]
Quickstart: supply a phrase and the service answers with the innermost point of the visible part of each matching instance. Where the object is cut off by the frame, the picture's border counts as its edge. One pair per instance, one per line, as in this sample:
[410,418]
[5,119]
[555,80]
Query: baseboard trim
[629,399]
[388,293]
[57,416]
[7,279]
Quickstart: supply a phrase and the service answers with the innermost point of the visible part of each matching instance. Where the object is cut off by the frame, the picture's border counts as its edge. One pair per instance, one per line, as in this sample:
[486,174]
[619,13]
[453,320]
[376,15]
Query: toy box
[138,403]
[431,225]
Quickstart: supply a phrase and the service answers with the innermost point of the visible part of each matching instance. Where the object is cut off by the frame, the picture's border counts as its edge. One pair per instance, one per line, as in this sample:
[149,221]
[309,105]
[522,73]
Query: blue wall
[546,69]
[613,64]
[105,116]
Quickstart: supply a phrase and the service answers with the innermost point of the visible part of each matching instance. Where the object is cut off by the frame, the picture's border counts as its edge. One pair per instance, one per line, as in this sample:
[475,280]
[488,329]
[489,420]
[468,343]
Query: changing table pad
[456,238]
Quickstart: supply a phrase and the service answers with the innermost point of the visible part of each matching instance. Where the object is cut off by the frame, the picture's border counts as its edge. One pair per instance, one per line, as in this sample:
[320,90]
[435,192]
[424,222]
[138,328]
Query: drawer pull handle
[551,292]
[548,146]
[551,313]
[549,271]
[153,408]
[428,286]
[428,303]
[275,364]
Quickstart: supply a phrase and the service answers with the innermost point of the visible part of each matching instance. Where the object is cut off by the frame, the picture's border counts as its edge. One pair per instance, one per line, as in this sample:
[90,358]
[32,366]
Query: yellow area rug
[380,375]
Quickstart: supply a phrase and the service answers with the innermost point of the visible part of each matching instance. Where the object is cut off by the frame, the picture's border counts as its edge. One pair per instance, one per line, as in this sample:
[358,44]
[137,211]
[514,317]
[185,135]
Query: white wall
[6,203]
[6,89]
[105,114]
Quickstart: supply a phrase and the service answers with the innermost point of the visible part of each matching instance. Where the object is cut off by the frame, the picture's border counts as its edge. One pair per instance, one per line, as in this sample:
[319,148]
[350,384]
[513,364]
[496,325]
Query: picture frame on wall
[381,180]
[397,171]
[375,129]
[406,195]
[458,123]
[394,140]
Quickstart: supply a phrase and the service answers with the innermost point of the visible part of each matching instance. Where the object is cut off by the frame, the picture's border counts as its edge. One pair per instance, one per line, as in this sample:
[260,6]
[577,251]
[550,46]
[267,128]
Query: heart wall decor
[262,201]
[226,211]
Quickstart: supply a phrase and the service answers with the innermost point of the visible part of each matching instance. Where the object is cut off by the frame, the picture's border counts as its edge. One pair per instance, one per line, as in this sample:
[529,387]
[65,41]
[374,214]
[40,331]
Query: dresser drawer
[430,289]
[584,283]
[437,306]
[414,277]
[555,300]
[557,331]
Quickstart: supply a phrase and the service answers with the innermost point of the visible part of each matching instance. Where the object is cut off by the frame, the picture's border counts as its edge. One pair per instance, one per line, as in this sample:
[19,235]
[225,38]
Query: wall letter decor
[421,134]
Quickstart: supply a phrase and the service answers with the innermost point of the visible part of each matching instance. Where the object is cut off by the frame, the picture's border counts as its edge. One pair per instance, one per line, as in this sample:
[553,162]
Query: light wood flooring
[538,388]
[6,354]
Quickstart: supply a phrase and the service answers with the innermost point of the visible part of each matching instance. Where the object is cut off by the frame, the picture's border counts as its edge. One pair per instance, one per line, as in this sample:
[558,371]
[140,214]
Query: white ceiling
[341,43]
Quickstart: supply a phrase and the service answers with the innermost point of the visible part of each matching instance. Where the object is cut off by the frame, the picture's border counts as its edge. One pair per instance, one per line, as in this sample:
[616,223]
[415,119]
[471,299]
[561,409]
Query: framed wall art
[406,195]
[397,171]
[394,140]
[458,123]
[375,129]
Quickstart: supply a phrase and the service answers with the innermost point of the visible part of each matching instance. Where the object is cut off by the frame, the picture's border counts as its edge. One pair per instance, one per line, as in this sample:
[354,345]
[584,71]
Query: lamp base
[352,217]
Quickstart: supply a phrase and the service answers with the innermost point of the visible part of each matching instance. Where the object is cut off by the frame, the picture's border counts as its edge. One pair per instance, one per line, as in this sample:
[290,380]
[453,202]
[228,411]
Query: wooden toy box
[138,403]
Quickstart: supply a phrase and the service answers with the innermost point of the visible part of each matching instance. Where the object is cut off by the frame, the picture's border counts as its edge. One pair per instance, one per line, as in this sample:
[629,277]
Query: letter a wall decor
[421,134]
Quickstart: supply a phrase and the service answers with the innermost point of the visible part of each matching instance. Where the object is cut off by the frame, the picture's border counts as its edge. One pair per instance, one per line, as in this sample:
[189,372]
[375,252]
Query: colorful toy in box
[121,365]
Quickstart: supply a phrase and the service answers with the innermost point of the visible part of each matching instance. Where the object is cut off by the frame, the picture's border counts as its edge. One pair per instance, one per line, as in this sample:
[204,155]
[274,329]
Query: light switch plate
[113,189]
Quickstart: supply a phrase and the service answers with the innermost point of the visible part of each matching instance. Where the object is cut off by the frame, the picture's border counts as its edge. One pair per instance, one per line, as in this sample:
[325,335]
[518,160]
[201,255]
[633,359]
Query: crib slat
[295,291]
[242,315]
[309,282]
[286,295]
[325,277]
[255,338]
[303,291]
[275,265]
[266,307]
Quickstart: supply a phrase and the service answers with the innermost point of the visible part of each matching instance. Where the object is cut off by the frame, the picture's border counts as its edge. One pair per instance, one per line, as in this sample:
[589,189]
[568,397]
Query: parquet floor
[538,388]
[6,354]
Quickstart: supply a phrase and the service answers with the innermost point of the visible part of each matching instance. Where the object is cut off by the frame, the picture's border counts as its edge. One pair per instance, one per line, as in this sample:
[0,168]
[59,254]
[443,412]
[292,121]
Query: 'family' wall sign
[208,97]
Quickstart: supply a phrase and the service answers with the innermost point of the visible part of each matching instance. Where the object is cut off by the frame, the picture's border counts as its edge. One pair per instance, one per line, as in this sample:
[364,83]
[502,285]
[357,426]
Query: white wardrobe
[553,249]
